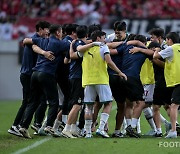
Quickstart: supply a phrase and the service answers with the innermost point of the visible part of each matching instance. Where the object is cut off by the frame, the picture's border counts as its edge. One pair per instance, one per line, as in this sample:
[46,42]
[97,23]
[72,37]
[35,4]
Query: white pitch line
[36,144]
[32,146]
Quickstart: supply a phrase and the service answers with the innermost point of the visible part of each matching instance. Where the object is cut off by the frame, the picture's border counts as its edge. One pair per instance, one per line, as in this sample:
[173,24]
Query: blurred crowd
[18,17]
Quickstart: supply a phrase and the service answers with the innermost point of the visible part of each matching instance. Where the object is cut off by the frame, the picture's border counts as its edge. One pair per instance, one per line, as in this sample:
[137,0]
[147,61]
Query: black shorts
[162,95]
[76,92]
[117,85]
[134,89]
[176,95]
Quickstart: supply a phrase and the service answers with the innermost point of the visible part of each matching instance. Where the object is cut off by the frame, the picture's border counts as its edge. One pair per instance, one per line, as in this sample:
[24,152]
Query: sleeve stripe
[106,53]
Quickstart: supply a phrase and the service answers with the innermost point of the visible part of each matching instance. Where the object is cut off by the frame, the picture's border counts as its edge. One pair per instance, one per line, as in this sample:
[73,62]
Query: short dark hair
[81,31]
[154,45]
[70,28]
[141,38]
[54,28]
[99,26]
[115,24]
[121,26]
[131,37]
[42,24]
[157,32]
[173,36]
[93,28]
[96,34]
[64,28]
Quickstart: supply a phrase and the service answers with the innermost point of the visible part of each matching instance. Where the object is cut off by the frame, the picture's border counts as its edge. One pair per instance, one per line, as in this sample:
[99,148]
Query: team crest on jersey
[79,101]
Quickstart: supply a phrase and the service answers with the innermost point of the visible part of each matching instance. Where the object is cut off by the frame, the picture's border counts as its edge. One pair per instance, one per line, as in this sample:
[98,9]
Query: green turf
[144,145]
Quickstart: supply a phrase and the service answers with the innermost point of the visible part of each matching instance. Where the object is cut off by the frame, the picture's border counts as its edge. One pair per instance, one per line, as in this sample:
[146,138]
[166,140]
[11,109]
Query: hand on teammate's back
[134,50]
[49,55]
[122,75]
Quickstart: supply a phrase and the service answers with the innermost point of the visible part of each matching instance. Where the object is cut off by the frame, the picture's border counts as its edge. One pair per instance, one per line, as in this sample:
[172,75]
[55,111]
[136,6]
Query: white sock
[73,128]
[163,120]
[152,124]
[134,122]
[124,124]
[87,126]
[67,128]
[138,126]
[56,125]
[159,130]
[64,118]
[103,119]
[117,131]
[128,121]
[149,117]
[44,124]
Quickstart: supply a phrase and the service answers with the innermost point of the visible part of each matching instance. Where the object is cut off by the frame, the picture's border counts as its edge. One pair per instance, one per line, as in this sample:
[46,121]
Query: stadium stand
[23,14]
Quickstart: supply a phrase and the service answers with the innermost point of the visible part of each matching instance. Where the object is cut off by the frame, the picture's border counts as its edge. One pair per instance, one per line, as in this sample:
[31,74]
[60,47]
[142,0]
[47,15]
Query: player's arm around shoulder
[27,41]
[48,54]
[156,59]
[84,48]
[73,54]
[165,54]
[143,50]
[111,64]
[136,42]
[113,45]
[156,54]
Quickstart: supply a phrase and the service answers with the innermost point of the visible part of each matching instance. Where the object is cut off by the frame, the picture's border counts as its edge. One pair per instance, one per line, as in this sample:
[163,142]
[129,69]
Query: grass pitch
[96,145]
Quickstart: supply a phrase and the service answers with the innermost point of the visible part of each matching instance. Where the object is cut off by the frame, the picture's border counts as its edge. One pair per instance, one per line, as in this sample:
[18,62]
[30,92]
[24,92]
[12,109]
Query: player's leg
[174,112]
[105,97]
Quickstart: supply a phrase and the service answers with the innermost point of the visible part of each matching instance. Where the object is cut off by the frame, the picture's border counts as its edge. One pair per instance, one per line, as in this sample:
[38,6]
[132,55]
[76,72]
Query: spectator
[86,11]
[95,17]
[6,29]
[65,6]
